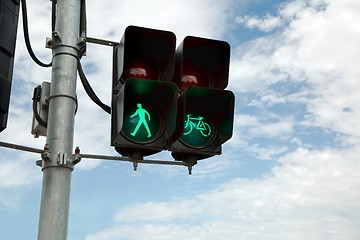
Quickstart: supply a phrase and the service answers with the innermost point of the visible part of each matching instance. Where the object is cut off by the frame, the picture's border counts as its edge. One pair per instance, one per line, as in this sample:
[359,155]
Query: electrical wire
[90,92]
[88,89]
[36,99]
[82,76]
[53,15]
[83,18]
[37,115]
[27,38]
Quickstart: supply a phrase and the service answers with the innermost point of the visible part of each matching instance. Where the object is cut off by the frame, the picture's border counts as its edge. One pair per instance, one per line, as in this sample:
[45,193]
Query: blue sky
[290,170]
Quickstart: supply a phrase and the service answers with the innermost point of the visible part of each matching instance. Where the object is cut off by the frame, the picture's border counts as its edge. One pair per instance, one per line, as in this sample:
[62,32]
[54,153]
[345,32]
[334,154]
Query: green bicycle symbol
[202,126]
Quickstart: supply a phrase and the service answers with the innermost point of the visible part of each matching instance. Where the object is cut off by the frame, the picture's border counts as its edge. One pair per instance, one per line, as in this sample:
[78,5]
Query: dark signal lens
[140,70]
[193,77]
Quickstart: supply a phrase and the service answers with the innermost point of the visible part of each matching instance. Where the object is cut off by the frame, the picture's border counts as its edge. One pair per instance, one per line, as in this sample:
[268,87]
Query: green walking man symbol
[142,120]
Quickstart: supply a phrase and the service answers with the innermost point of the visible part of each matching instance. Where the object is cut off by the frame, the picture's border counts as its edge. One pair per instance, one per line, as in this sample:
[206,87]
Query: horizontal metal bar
[126,159]
[20,147]
[101,41]
[92,156]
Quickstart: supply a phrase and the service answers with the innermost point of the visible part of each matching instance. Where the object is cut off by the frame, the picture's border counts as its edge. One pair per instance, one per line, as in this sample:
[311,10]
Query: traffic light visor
[146,54]
[202,62]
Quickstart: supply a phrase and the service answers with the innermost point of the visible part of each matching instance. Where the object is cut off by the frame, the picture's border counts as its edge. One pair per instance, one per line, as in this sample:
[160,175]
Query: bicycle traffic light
[9,13]
[201,73]
[144,104]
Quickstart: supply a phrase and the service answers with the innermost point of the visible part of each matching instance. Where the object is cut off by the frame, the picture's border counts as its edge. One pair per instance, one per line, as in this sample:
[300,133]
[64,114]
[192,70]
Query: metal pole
[57,164]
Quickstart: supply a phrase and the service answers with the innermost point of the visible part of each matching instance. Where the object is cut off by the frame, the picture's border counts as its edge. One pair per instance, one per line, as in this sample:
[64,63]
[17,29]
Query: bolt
[77,150]
[46,147]
[190,169]
[135,164]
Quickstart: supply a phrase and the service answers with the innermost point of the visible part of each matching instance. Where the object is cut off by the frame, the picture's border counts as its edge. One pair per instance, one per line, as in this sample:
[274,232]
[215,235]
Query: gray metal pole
[57,161]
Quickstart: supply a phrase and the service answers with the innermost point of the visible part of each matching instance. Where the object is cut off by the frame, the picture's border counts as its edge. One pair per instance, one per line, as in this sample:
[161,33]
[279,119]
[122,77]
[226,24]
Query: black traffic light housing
[208,122]
[167,100]
[144,116]
[148,48]
[9,14]
[144,104]
[208,59]
[201,73]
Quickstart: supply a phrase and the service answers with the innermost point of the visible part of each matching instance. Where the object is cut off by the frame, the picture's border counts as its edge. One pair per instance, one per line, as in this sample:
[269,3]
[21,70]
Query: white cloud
[18,170]
[312,190]
[310,50]
[166,211]
[207,17]
[268,152]
[266,24]
[290,9]
[250,126]
[275,129]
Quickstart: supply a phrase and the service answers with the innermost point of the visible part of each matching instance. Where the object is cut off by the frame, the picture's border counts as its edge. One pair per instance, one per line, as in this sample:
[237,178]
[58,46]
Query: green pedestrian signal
[144,116]
[139,126]
[141,120]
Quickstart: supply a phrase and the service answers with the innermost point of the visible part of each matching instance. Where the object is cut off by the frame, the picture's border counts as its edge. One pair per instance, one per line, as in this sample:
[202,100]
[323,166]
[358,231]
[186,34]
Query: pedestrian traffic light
[201,74]
[144,105]
[9,13]
[144,116]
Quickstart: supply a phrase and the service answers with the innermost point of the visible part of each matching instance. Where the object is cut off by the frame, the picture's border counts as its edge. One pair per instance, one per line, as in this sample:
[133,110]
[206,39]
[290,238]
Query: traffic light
[201,74]
[144,103]
[9,14]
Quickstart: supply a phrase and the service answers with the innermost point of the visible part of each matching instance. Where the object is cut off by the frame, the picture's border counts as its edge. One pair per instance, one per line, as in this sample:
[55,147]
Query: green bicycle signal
[197,132]
[202,126]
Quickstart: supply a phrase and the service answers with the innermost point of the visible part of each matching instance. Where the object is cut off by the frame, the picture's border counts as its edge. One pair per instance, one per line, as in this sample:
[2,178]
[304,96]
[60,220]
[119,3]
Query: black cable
[88,89]
[26,36]
[83,28]
[53,15]
[90,92]
[36,98]
[83,78]
[83,19]
[37,115]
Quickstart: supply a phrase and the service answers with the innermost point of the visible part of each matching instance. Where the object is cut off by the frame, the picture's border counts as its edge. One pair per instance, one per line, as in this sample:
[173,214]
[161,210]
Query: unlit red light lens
[193,77]
[140,70]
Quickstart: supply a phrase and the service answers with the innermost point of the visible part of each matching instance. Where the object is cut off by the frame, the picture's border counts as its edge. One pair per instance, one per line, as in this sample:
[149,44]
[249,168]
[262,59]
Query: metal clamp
[62,159]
